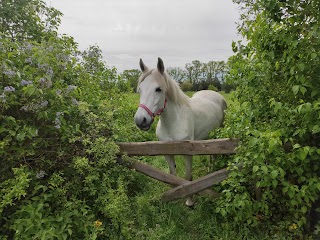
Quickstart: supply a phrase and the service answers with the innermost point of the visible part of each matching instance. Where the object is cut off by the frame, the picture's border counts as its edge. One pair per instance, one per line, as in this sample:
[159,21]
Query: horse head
[152,89]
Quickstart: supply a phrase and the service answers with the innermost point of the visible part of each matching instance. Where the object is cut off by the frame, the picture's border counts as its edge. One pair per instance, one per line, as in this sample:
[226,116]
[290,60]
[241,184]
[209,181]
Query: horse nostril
[144,120]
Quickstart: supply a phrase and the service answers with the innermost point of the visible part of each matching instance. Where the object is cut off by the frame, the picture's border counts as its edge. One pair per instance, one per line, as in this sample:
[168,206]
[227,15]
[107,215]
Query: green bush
[186,86]
[212,87]
[277,120]
[58,173]
[61,111]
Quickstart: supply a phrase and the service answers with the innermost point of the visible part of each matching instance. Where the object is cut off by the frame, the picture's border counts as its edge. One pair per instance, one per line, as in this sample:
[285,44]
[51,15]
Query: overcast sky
[178,31]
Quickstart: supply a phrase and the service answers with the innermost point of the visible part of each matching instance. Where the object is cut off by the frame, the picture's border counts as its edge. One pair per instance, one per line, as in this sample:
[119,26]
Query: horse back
[209,110]
[215,97]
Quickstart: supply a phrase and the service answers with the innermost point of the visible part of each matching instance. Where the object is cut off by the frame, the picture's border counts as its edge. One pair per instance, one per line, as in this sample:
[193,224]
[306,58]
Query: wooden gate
[183,187]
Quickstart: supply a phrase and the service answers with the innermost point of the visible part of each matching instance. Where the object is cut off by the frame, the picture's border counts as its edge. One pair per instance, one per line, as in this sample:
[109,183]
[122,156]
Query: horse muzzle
[143,123]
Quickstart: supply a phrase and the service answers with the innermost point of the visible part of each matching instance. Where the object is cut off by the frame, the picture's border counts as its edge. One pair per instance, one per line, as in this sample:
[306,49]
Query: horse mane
[167,84]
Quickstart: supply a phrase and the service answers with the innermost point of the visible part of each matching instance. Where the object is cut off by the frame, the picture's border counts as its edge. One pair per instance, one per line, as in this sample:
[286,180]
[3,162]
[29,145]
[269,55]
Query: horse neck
[175,94]
[177,100]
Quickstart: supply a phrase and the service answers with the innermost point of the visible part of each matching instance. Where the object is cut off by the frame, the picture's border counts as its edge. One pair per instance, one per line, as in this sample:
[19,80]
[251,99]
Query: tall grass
[173,220]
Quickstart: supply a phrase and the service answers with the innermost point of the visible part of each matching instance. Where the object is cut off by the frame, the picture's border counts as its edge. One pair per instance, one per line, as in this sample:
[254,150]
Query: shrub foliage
[277,74]
[60,111]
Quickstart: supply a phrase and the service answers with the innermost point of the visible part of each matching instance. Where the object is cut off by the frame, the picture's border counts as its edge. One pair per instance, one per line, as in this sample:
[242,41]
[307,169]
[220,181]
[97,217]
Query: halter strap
[151,114]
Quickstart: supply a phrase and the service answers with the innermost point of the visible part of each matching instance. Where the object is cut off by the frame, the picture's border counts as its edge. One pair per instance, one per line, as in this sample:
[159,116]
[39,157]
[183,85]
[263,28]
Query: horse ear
[143,67]
[160,66]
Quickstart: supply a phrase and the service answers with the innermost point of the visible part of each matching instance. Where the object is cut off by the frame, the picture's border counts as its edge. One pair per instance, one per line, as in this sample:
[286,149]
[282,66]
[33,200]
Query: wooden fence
[183,188]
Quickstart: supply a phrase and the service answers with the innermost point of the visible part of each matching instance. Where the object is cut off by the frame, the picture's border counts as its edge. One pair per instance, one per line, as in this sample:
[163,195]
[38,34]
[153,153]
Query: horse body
[204,112]
[182,118]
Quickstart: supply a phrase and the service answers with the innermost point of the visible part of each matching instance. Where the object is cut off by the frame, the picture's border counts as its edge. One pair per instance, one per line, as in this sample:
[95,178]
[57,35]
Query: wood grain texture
[200,147]
[160,175]
[195,186]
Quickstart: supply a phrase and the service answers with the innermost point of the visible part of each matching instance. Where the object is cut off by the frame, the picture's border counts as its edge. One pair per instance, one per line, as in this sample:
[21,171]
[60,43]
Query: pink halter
[153,115]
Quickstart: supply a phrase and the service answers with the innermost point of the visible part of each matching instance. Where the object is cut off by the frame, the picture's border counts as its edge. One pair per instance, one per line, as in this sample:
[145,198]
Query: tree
[278,82]
[195,73]
[177,74]
[214,72]
[28,19]
[132,77]
[60,111]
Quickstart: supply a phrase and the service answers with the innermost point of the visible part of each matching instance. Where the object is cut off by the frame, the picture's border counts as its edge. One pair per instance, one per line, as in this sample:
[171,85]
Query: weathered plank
[200,147]
[160,175]
[195,186]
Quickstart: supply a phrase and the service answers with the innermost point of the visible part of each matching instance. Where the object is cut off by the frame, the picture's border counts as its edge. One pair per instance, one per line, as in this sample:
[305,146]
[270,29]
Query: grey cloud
[177,31]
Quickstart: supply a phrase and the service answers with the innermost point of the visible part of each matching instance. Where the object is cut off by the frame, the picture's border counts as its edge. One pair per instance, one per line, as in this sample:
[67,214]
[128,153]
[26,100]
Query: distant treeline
[194,76]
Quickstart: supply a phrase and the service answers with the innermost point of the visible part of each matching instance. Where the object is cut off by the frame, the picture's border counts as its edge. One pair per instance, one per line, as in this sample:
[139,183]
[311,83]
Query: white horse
[181,117]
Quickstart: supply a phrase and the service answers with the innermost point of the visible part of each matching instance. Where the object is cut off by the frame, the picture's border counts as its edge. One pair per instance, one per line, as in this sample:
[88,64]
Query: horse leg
[188,163]
[172,164]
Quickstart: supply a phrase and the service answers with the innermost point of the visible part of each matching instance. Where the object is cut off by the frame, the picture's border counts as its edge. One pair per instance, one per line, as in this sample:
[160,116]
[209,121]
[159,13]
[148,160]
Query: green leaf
[295,89]
[293,202]
[274,183]
[304,209]
[302,153]
[282,172]
[29,90]
[264,169]
[271,54]
[300,108]
[315,129]
[301,66]
[33,132]
[10,54]
[234,47]
[285,189]
[303,90]
[291,192]
[274,173]
[297,145]
[313,55]
[255,168]
[42,115]
[258,184]
[252,141]
[20,136]
[292,70]
[272,144]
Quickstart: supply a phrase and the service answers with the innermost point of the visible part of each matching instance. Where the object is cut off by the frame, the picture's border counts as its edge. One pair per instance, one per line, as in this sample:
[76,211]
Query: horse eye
[158,89]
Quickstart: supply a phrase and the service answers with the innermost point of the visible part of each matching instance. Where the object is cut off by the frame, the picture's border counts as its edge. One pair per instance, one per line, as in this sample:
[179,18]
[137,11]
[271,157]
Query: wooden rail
[201,147]
[183,188]
[195,186]
[160,175]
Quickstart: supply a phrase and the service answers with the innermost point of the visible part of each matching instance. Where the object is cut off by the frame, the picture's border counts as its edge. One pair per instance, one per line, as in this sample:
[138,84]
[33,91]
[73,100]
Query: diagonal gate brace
[161,176]
[192,187]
